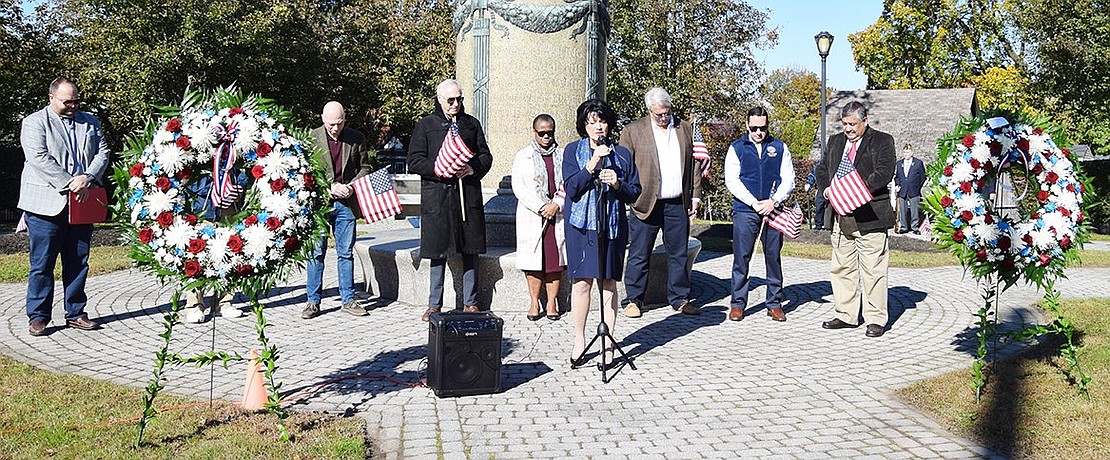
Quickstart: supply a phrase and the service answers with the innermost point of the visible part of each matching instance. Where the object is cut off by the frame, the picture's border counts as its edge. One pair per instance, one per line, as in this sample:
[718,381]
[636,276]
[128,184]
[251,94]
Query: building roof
[913,116]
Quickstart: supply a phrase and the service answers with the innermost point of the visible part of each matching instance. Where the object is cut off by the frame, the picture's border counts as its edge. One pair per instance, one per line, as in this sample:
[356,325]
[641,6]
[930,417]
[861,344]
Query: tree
[699,50]
[794,97]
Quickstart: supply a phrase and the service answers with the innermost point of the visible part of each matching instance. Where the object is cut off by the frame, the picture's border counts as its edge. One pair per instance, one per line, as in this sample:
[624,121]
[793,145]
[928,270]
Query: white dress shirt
[736,186]
[670,161]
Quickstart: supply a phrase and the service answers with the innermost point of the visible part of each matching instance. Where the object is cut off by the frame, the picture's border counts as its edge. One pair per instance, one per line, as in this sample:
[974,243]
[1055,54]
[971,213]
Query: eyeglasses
[757,128]
[454,100]
[72,102]
[545,133]
[661,116]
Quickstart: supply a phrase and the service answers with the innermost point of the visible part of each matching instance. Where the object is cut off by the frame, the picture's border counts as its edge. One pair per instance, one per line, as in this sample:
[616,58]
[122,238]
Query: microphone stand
[603,331]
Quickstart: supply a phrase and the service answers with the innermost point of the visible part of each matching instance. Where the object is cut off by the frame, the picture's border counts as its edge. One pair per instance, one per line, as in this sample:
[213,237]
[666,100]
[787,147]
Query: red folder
[92,211]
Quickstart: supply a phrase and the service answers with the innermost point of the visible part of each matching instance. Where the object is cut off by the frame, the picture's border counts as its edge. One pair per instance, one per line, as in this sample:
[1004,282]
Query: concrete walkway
[705,387]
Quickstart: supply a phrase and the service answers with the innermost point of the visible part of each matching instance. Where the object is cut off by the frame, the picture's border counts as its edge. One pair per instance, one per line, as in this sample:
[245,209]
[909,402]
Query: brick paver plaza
[705,387]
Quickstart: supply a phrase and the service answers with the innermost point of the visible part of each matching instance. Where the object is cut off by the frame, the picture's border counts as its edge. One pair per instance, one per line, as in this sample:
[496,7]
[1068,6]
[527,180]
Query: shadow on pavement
[659,333]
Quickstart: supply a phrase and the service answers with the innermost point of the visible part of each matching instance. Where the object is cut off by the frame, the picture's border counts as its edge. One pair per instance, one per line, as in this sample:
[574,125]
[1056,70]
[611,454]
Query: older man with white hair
[451,221]
[663,148]
[344,158]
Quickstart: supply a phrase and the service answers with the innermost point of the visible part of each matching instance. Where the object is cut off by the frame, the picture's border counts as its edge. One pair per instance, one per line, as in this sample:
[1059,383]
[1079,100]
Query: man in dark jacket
[909,178]
[859,238]
[451,220]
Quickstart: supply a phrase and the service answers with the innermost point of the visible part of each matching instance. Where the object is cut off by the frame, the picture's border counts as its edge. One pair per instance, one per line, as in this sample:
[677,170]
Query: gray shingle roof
[913,116]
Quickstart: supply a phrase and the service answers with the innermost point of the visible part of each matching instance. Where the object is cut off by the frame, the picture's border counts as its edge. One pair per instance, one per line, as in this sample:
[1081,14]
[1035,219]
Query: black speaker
[464,353]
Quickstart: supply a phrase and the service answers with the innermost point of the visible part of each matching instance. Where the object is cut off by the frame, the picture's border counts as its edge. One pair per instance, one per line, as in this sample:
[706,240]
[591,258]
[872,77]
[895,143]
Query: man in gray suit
[65,153]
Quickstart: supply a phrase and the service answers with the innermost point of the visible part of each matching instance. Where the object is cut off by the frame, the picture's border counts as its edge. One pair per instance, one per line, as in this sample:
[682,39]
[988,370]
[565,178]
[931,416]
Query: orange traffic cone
[254,391]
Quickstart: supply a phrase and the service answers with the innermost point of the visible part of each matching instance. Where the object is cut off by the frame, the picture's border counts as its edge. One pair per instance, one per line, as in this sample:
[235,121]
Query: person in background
[909,177]
[538,183]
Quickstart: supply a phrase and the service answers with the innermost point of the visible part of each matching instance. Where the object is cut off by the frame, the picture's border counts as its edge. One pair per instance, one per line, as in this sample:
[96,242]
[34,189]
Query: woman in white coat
[538,186]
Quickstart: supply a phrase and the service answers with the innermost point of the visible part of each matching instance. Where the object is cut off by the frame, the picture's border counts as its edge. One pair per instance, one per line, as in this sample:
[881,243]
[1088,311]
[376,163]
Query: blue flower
[239,227]
[275,135]
[297,147]
[1039,224]
[155,167]
[144,212]
[208,230]
[957,223]
[210,113]
[262,216]
[251,156]
[1050,207]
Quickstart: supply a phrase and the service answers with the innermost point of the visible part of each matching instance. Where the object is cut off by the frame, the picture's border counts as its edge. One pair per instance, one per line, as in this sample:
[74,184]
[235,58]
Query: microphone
[607,160]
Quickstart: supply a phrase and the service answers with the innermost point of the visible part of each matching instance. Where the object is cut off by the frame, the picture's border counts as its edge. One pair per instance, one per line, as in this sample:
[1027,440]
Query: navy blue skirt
[582,249]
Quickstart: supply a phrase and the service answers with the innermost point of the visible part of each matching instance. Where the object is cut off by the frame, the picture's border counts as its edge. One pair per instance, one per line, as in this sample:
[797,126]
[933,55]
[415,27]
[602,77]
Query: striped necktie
[71,128]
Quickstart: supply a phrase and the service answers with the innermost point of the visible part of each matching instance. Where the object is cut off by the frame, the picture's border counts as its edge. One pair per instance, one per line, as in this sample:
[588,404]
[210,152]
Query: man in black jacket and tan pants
[859,238]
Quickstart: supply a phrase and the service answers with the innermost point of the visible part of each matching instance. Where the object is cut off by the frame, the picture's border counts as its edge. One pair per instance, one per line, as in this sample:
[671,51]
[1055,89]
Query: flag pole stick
[462,200]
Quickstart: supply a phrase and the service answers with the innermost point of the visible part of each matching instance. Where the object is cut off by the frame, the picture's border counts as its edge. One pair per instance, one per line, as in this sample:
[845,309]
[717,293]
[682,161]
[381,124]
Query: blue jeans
[51,236]
[342,222]
[745,227]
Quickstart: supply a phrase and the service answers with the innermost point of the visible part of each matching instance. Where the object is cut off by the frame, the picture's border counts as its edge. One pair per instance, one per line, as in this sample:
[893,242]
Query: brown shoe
[470,309]
[688,308]
[428,314]
[735,314]
[776,314]
[83,323]
[632,310]
[37,328]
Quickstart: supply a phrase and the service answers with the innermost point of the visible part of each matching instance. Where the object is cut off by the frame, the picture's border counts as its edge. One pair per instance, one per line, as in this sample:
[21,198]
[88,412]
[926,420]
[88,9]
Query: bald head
[334,117]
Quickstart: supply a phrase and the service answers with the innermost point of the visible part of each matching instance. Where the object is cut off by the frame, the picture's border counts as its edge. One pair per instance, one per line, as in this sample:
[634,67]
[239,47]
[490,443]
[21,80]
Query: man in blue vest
[760,176]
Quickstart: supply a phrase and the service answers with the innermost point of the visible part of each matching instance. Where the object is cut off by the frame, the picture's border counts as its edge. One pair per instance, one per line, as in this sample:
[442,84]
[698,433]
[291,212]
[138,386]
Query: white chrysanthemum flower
[163,137]
[272,167]
[134,183]
[970,201]
[158,201]
[256,239]
[218,251]
[178,234]
[984,231]
[279,205]
[963,172]
[172,159]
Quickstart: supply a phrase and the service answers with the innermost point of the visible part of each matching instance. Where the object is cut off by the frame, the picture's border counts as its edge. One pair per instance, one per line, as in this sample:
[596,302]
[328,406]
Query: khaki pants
[859,276]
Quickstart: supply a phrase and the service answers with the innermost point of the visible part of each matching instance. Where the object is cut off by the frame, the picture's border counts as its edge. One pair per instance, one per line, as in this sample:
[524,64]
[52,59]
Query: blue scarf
[583,212]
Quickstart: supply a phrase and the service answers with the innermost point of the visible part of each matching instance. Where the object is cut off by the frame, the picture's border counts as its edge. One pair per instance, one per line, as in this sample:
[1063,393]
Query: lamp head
[824,43]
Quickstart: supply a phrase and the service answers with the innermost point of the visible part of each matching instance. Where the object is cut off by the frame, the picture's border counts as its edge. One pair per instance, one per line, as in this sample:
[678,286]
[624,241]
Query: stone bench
[392,268]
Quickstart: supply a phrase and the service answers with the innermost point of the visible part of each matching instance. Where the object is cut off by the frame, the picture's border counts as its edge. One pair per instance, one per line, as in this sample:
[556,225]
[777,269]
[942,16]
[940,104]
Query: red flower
[244,270]
[1064,211]
[1027,238]
[165,219]
[146,235]
[1066,152]
[946,201]
[1008,264]
[1004,243]
[1065,243]
[1042,196]
[183,174]
[263,149]
[174,125]
[981,255]
[192,268]
[1035,215]
[988,166]
[965,187]
[182,143]
[235,111]
[277,185]
[966,215]
[136,169]
[975,163]
[250,220]
[1071,188]
[1044,259]
[958,236]
[969,141]
[1038,131]
[191,219]
[163,183]
[1079,217]
[988,219]
[272,223]
[235,244]
[948,170]
[1023,144]
[291,243]
[996,147]
[309,181]
[196,245]
[257,172]
[1038,168]
[1051,177]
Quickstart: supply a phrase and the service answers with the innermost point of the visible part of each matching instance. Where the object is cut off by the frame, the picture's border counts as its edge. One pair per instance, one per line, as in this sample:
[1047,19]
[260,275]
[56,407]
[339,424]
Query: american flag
[376,196]
[701,152]
[453,154]
[787,221]
[847,190]
[229,198]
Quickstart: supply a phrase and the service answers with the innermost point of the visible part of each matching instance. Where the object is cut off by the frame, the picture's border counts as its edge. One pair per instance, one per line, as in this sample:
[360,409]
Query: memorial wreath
[1039,236]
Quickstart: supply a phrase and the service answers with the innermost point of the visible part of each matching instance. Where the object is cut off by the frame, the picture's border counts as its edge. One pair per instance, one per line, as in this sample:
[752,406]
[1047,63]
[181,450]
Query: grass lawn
[43,414]
[1029,408]
[102,259]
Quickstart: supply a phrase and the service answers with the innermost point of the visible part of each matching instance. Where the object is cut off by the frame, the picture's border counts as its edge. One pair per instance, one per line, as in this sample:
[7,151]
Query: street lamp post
[824,44]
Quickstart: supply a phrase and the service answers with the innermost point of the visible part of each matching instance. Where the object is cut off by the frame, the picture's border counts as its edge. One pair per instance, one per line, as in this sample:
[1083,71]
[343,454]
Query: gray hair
[657,96]
[854,108]
[446,84]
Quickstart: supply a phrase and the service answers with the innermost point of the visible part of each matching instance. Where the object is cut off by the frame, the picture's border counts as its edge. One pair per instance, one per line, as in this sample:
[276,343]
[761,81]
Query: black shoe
[836,323]
[875,330]
[575,363]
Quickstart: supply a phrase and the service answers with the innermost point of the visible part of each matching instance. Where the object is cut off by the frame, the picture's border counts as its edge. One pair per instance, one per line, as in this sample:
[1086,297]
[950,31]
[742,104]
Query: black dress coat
[875,159]
[442,231]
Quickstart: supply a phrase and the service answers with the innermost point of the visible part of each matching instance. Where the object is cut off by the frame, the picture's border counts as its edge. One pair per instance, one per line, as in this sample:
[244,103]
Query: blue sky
[799,20]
